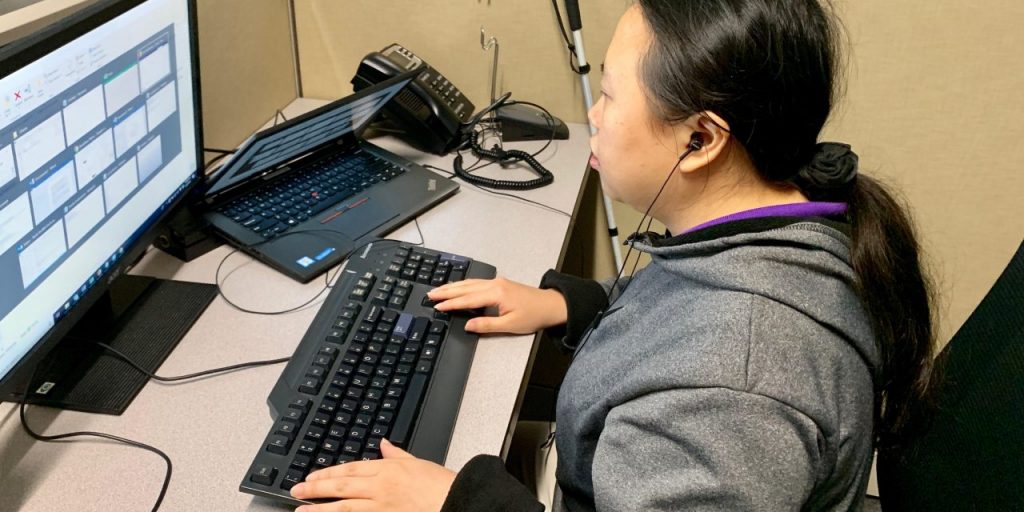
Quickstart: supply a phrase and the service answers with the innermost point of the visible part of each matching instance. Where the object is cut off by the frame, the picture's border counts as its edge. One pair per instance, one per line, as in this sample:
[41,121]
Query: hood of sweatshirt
[802,264]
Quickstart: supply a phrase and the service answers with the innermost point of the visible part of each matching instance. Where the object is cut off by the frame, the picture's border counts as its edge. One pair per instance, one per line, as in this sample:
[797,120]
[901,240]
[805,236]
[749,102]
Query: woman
[782,328]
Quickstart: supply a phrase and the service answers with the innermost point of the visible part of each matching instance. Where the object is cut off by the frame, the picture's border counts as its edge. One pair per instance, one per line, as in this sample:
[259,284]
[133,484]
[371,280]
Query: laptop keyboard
[377,363]
[287,202]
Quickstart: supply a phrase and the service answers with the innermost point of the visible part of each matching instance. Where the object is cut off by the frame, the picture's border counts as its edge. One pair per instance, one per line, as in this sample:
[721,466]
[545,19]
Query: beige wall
[27,16]
[246,66]
[334,36]
[933,104]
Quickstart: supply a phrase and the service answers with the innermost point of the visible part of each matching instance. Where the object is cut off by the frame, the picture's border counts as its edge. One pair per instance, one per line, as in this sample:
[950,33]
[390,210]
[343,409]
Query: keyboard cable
[253,364]
[328,278]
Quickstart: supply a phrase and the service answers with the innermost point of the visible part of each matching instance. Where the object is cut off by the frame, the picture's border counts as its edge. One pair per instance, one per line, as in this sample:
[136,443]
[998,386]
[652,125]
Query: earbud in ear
[696,141]
[696,144]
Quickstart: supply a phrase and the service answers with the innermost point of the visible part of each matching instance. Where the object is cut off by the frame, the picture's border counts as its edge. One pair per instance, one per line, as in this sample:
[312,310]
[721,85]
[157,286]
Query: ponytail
[892,286]
[898,298]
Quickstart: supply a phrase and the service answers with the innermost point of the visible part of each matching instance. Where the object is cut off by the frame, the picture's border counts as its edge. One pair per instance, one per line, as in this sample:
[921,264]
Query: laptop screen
[267,150]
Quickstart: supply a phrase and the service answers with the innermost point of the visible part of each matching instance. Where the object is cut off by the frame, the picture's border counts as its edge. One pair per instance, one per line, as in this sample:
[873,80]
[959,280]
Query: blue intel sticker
[305,261]
[326,252]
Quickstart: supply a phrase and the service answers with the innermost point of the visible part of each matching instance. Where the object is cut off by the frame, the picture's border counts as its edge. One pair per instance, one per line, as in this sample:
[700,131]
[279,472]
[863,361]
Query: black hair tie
[831,173]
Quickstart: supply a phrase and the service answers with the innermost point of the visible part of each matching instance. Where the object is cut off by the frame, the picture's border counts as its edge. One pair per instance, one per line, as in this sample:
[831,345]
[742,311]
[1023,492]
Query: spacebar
[403,424]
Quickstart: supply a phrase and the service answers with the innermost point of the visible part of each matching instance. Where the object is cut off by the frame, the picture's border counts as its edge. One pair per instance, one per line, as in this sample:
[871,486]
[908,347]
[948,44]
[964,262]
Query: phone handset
[431,110]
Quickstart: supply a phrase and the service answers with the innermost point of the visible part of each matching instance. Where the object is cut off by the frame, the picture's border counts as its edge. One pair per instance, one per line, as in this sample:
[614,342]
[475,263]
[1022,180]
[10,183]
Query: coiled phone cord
[503,156]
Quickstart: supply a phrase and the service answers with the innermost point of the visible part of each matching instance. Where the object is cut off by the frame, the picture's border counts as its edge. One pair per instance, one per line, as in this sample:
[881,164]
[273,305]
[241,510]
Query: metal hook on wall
[487,44]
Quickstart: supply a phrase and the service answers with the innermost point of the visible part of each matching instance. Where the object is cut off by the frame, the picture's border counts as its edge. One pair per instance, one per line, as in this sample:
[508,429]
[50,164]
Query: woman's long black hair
[770,69]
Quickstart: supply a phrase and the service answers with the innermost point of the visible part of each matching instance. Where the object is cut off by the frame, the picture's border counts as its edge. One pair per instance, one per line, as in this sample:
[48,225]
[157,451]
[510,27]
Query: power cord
[167,476]
[129,442]
[221,154]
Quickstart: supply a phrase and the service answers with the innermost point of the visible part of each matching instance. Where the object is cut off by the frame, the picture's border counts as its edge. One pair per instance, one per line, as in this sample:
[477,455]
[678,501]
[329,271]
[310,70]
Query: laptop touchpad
[358,218]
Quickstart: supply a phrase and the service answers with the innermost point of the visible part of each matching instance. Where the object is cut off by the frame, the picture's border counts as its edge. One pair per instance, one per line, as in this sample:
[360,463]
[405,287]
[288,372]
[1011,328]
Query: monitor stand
[142,317]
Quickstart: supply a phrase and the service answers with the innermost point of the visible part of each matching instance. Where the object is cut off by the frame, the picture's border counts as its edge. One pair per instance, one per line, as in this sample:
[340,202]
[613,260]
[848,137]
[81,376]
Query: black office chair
[970,457]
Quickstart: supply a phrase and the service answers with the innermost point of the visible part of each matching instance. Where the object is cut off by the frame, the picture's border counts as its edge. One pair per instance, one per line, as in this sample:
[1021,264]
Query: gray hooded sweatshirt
[732,373]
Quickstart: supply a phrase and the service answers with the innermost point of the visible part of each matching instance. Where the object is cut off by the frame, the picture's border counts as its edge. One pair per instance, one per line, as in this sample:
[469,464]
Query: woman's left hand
[398,482]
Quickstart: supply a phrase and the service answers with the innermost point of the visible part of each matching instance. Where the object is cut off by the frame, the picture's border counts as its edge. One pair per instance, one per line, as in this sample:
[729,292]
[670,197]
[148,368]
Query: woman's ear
[713,135]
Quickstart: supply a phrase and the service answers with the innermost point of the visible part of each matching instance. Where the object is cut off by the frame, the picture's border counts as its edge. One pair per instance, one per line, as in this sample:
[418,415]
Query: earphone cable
[632,243]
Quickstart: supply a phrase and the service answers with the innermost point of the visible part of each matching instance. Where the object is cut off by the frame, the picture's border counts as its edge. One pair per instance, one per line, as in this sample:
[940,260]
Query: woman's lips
[594,162]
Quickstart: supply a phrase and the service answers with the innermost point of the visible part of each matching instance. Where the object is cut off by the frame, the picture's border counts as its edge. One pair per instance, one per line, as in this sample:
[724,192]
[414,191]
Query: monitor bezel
[19,54]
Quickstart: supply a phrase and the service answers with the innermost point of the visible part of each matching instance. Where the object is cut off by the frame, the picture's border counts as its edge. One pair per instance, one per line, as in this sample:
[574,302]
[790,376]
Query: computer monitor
[100,138]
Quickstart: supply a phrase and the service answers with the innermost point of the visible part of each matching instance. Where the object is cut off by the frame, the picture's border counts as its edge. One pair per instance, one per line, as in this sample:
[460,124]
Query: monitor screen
[99,136]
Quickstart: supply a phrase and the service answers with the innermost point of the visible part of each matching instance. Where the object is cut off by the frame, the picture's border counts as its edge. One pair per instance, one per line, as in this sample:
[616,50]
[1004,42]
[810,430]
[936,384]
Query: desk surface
[212,427]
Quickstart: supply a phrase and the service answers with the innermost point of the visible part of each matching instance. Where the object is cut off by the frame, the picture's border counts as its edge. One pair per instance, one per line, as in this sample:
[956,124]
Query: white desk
[212,428]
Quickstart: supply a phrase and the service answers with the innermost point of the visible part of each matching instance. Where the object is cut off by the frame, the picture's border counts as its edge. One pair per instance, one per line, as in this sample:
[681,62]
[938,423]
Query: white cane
[572,12]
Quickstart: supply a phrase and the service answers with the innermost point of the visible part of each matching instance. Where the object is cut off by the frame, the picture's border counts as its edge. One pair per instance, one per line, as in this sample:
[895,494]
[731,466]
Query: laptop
[304,194]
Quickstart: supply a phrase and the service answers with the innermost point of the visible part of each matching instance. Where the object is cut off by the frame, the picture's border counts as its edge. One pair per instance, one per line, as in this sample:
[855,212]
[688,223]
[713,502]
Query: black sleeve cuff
[483,485]
[585,298]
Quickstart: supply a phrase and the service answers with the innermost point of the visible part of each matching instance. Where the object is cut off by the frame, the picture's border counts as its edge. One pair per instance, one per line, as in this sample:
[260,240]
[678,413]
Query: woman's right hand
[521,309]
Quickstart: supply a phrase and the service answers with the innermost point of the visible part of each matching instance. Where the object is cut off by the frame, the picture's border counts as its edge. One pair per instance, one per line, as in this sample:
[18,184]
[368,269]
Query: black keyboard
[377,362]
[287,202]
